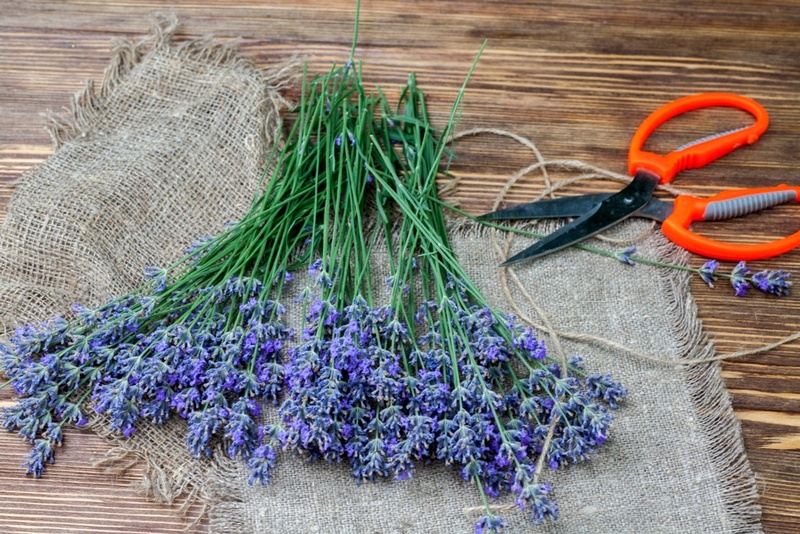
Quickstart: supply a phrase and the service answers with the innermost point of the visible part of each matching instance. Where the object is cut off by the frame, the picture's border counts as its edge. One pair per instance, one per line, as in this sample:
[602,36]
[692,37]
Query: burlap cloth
[172,146]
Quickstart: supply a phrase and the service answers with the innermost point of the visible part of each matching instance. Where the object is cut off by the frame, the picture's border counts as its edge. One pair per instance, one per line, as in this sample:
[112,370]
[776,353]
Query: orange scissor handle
[703,151]
[727,205]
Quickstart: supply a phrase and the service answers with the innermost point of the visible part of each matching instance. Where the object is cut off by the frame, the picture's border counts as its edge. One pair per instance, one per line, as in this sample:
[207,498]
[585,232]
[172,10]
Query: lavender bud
[490,524]
[708,272]
[739,279]
[625,256]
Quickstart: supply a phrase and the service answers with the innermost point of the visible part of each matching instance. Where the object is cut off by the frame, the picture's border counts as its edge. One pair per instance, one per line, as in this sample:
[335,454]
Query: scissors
[597,212]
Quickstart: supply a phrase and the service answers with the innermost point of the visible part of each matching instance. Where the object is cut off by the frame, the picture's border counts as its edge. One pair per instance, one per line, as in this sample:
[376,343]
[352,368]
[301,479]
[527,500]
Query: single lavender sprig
[741,277]
[773,282]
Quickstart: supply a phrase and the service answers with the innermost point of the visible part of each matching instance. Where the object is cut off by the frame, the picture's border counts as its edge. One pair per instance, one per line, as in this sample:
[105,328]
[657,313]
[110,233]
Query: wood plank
[577,79]
[76,497]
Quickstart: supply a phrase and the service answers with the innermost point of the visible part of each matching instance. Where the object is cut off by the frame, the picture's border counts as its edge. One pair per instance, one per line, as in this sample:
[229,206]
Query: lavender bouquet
[435,373]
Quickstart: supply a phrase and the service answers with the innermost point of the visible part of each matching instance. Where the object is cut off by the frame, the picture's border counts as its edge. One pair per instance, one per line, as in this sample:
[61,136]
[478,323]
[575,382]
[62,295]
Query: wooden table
[576,77]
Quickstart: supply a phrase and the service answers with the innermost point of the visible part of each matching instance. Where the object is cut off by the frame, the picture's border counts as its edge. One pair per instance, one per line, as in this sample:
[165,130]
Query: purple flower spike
[261,464]
[40,456]
[490,524]
[535,499]
[739,279]
[774,282]
[708,272]
[625,256]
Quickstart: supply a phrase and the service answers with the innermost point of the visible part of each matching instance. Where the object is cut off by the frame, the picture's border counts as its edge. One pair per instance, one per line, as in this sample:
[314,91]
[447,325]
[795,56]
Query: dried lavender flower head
[625,256]
[739,279]
[774,282]
[708,272]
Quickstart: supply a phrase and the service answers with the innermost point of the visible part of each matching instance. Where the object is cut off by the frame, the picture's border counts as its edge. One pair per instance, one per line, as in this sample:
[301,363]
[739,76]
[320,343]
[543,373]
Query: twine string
[543,324]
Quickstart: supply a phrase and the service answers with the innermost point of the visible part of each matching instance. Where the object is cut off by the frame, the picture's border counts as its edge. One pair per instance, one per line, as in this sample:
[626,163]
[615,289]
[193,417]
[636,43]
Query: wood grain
[575,78]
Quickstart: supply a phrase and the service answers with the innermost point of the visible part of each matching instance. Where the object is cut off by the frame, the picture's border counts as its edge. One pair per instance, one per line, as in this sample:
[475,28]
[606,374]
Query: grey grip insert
[736,207]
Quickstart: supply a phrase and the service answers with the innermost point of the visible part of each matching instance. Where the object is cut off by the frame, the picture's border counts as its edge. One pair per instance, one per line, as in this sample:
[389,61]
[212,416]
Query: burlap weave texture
[172,146]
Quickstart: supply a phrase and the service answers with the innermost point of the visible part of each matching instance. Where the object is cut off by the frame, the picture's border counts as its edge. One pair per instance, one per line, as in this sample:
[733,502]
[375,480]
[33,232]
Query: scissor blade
[607,213]
[548,209]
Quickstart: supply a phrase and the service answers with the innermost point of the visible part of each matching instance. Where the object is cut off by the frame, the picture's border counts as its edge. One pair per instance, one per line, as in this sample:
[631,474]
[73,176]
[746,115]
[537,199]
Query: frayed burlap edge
[73,122]
[713,408]
[177,487]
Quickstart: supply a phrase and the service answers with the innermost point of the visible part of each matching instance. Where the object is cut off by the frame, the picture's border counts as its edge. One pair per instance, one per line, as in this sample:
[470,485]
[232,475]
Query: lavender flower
[773,282]
[739,279]
[41,454]
[625,256]
[534,498]
[604,388]
[158,276]
[261,464]
[490,524]
[708,272]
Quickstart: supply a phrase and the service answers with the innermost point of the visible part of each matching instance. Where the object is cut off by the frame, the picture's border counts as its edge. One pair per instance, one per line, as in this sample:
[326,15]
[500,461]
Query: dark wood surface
[577,78]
